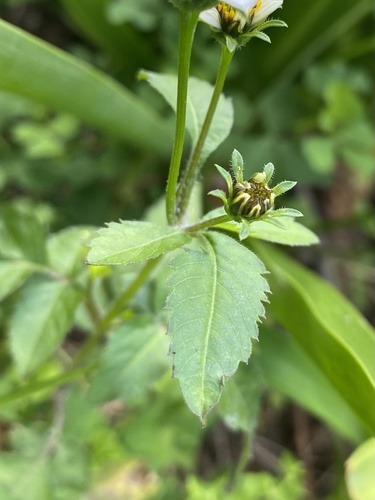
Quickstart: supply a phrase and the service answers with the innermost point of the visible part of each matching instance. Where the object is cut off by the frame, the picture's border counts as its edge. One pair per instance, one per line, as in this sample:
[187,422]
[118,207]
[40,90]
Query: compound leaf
[133,241]
[215,303]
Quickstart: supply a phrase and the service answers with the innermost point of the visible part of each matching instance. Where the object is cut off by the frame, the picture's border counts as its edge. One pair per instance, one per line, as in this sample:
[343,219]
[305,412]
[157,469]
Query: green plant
[215,269]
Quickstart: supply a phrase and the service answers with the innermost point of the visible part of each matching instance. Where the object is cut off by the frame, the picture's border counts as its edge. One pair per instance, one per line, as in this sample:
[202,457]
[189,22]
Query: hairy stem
[221,219]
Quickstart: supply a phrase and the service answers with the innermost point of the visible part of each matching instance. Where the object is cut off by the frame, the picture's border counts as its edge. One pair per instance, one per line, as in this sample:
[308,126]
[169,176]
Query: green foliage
[88,406]
[130,241]
[360,470]
[254,485]
[213,316]
[198,100]
[51,304]
[326,326]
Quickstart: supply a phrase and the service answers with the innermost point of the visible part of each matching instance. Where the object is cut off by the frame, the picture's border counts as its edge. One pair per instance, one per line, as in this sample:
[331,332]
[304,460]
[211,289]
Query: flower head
[254,199]
[236,21]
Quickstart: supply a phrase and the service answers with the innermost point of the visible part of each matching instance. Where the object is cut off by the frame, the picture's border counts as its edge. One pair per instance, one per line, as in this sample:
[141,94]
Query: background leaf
[13,274]
[360,468]
[36,70]
[134,359]
[289,369]
[214,316]
[199,97]
[328,328]
[42,317]
[134,241]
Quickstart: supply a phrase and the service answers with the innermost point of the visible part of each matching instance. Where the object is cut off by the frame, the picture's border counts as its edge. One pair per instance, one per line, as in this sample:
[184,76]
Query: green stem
[208,223]
[188,22]
[190,174]
[116,309]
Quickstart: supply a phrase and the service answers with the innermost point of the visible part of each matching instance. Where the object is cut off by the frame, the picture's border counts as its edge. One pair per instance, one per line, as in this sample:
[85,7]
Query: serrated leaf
[214,315]
[133,241]
[13,273]
[42,317]
[199,97]
[134,359]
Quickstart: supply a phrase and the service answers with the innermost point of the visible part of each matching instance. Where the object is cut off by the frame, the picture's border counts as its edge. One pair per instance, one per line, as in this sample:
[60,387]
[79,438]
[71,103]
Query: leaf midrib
[210,316]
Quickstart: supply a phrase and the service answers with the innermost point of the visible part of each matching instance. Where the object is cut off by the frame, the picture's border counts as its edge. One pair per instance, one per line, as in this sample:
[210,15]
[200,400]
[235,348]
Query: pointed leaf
[268,171]
[199,97]
[214,315]
[289,232]
[226,175]
[134,359]
[219,193]
[133,241]
[42,317]
[237,165]
[284,212]
[283,187]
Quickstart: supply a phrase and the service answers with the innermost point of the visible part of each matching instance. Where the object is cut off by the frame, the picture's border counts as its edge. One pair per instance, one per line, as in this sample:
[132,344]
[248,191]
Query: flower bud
[251,199]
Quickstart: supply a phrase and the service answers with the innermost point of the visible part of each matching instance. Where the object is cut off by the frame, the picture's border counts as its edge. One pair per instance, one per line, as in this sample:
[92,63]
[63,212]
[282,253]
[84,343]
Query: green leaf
[34,69]
[134,359]
[199,97]
[320,153]
[24,235]
[240,403]
[328,328]
[268,171]
[283,187]
[67,249]
[133,241]
[290,233]
[284,362]
[283,212]
[214,315]
[226,175]
[13,274]
[237,165]
[359,474]
[219,193]
[42,317]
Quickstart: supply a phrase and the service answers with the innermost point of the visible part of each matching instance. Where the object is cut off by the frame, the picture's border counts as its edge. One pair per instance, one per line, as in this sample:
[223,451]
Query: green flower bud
[196,5]
[250,199]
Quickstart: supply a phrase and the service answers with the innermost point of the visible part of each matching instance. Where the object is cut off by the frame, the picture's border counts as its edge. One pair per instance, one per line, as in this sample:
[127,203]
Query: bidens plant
[213,316]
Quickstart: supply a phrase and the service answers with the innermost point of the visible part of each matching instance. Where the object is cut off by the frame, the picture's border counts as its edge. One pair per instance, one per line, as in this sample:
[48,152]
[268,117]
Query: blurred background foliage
[305,103]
